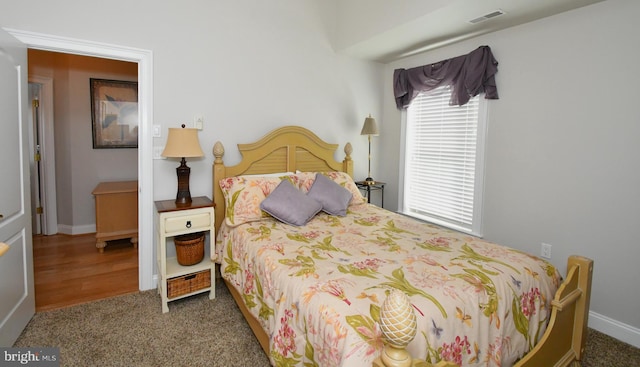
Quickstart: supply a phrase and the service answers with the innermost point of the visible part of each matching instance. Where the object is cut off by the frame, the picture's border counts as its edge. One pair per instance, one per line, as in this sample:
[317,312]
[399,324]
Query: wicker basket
[188,283]
[189,248]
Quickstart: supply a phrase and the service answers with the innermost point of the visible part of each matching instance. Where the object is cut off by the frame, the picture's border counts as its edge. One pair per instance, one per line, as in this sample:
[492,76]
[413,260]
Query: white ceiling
[387,30]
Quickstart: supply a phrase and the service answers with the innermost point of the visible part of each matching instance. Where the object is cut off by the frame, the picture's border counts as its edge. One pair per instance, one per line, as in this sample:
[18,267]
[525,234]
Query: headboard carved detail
[286,149]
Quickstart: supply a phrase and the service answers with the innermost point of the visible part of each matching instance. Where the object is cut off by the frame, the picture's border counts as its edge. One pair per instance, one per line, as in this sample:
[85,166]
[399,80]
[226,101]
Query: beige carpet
[131,330]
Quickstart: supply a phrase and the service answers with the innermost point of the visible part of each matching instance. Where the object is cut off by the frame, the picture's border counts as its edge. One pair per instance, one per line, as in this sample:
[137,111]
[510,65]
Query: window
[443,161]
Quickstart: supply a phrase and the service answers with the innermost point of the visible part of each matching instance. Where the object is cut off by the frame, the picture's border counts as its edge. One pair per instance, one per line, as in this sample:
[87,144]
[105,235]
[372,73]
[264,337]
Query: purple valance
[468,75]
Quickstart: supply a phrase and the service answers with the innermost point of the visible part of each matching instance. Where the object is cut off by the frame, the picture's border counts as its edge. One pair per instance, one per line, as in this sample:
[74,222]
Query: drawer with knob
[187,222]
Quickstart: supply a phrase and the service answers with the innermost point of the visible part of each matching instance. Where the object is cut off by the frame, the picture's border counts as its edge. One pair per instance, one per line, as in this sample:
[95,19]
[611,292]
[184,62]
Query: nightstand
[372,186]
[177,281]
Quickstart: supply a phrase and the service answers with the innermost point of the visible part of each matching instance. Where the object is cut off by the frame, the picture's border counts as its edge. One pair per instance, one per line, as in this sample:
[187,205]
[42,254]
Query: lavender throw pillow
[290,205]
[333,197]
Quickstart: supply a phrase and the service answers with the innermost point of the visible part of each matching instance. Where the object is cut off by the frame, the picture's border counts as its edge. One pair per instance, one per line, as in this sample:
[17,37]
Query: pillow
[290,205]
[305,181]
[243,195]
[333,197]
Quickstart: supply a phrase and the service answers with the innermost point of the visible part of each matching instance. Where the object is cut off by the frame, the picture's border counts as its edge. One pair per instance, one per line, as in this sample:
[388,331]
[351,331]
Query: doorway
[79,164]
[70,252]
[144,59]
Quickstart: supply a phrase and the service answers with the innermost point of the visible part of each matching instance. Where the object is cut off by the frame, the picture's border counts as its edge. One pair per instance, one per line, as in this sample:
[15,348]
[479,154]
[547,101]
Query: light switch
[157,131]
[198,121]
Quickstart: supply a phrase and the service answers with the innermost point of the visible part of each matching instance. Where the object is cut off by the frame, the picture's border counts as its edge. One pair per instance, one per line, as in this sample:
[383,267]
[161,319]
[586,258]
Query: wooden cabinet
[116,212]
[171,221]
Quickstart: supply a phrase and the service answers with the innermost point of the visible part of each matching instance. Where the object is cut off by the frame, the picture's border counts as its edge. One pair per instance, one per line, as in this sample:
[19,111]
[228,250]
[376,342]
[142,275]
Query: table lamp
[182,143]
[370,128]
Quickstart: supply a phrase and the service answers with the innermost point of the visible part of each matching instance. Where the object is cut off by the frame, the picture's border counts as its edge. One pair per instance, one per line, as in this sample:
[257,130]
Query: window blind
[440,159]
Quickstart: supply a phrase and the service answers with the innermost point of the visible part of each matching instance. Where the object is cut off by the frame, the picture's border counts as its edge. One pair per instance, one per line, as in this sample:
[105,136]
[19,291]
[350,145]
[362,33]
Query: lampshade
[182,142]
[370,127]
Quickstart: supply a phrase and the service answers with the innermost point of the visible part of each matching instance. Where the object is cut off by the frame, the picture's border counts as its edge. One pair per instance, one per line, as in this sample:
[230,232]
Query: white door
[17,295]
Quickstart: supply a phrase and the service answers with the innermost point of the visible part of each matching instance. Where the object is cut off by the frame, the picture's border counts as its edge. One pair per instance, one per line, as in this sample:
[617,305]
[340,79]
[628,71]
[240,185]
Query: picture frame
[114,113]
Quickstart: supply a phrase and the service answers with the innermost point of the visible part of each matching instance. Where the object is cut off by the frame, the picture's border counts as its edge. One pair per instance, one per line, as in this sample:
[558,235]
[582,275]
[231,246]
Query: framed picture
[114,113]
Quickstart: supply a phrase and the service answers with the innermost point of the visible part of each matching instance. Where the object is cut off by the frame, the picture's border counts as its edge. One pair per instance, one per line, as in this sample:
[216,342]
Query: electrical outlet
[545,250]
[157,153]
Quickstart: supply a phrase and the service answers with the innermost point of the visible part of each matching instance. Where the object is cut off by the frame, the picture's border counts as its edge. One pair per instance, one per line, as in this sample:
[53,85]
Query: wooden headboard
[286,149]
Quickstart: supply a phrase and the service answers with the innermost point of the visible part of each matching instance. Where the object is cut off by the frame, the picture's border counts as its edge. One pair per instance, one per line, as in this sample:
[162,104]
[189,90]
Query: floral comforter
[317,289]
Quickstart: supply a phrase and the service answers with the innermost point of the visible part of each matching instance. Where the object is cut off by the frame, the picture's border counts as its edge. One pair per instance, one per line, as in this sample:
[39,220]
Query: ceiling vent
[487,16]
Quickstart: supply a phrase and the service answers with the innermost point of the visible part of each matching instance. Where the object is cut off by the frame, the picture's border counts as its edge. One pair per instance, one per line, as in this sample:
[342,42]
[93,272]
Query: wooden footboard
[563,342]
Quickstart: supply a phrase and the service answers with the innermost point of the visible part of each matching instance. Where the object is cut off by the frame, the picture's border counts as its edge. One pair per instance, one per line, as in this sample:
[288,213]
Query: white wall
[360,20]
[563,147]
[247,66]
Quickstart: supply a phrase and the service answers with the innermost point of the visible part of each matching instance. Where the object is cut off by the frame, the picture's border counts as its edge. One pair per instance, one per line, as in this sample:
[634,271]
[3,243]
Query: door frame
[48,179]
[144,59]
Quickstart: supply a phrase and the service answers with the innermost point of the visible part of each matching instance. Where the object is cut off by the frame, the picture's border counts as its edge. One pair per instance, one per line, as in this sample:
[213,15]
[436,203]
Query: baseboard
[71,230]
[154,281]
[615,329]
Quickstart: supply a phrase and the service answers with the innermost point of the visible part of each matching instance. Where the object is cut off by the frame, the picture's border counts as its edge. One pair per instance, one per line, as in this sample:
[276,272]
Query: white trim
[48,158]
[615,329]
[481,152]
[77,46]
[144,58]
[401,166]
[74,230]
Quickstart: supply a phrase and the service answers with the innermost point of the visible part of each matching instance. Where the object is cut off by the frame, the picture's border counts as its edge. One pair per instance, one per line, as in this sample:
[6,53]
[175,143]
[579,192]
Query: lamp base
[183,197]
[369,181]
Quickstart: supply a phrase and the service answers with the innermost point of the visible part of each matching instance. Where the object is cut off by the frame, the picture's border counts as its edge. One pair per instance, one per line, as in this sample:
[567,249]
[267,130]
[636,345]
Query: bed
[321,291]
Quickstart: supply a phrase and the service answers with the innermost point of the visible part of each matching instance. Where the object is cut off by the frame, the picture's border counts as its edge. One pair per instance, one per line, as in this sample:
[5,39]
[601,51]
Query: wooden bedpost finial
[399,326]
[347,162]
[348,149]
[218,152]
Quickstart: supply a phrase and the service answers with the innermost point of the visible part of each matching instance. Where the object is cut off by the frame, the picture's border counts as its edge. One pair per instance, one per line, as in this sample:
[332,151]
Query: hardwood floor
[68,270]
